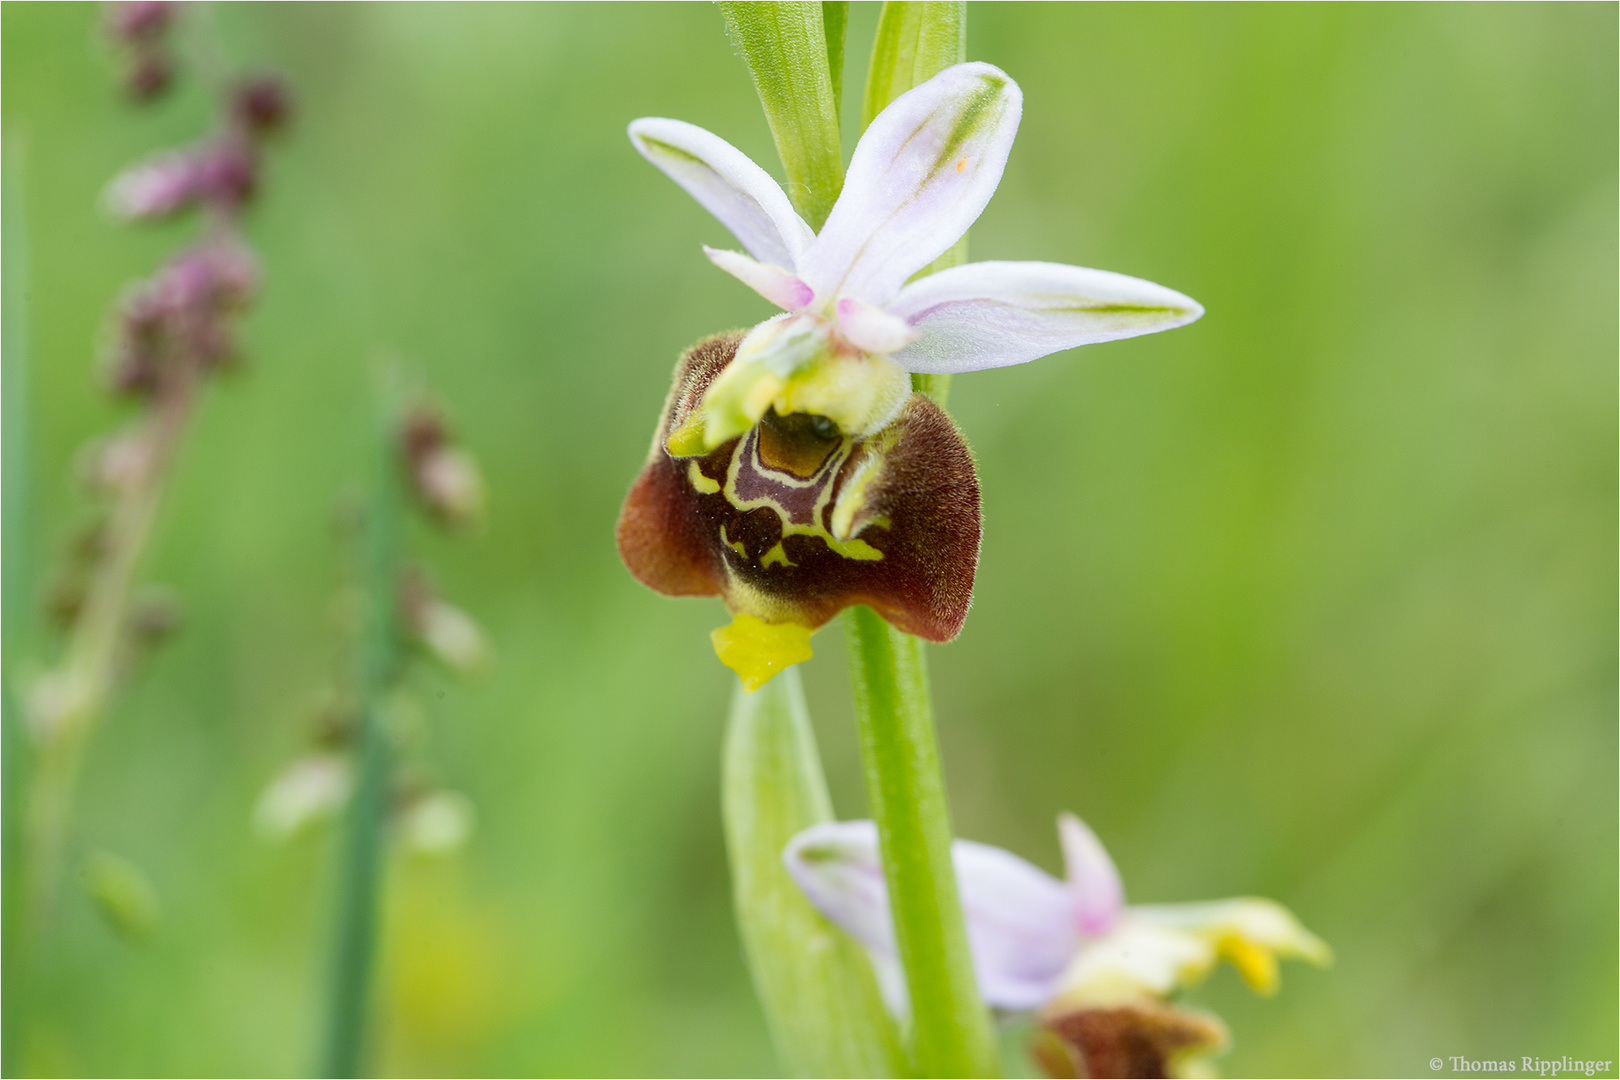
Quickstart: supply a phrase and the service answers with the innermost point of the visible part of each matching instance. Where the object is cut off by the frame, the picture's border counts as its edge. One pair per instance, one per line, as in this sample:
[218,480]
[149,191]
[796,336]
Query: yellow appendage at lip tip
[1255,963]
[756,650]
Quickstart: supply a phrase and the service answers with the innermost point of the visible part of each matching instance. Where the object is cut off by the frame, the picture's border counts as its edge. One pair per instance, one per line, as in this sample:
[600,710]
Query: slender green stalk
[14,521]
[81,687]
[950,1030]
[817,989]
[950,1033]
[786,47]
[790,53]
[363,851]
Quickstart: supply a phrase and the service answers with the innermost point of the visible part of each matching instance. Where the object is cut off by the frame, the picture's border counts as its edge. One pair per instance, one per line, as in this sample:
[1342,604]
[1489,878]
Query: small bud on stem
[443,477]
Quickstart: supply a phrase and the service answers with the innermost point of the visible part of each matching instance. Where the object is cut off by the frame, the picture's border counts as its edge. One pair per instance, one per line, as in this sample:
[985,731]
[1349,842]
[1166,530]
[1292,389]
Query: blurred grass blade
[361,869]
[786,48]
[14,594]
[817,988]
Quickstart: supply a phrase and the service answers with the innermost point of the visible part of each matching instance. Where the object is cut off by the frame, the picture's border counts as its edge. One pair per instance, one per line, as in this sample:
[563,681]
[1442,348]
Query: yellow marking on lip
[704,484]
[686,440]
[776,556]
[859,550]
[960,165]
[853,548]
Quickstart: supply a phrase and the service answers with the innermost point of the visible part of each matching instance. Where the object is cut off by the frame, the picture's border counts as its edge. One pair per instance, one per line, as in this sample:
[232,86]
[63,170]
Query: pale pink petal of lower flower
[1020,923]
[1020,920]
[837,867]
[1093,880]
[992,314]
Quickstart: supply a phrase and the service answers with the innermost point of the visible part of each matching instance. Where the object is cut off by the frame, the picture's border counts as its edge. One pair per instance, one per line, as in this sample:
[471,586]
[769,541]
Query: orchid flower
[1095,969]
[795,472]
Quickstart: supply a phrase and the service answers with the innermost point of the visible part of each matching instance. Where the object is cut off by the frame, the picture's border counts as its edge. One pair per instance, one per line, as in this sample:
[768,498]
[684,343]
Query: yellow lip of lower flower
[1256,963]
[756,650]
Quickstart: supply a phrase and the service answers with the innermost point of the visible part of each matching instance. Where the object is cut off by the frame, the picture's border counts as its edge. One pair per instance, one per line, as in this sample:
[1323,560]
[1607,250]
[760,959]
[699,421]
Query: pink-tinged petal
[1094,884]
[1019,922]
[872,330]
[920,176]
[1020,925]
[837,866]
[728,185]
[772,282]
[992,314]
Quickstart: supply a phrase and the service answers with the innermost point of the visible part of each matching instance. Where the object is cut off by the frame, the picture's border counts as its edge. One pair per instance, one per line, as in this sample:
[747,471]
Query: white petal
[772,282]
[438,823]
[837,867]
[919,177]
[729,185]
[308,790]
[1020,920]
[1093,880]
[992,314]
[1020,923]
[872,330]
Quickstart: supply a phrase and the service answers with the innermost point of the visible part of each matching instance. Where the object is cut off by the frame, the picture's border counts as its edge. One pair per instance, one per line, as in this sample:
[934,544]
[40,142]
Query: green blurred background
[1313,600]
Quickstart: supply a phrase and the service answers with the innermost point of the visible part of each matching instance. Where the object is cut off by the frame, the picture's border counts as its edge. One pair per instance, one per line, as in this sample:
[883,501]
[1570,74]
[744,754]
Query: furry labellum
[794,520]
[1145,1038]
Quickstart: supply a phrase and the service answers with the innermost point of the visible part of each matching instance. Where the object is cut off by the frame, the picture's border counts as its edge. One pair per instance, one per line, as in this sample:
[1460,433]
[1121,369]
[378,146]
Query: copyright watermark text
[1529,1065]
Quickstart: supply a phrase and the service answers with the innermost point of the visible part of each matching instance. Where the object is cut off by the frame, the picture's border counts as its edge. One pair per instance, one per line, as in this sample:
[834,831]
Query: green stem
[950,1030]
[786,47]
[817,989]
[14,749]
[789,49]
[361,868]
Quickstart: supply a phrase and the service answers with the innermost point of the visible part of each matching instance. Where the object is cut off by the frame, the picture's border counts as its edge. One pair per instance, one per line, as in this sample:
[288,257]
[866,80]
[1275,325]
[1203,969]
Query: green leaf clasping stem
[818,991]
